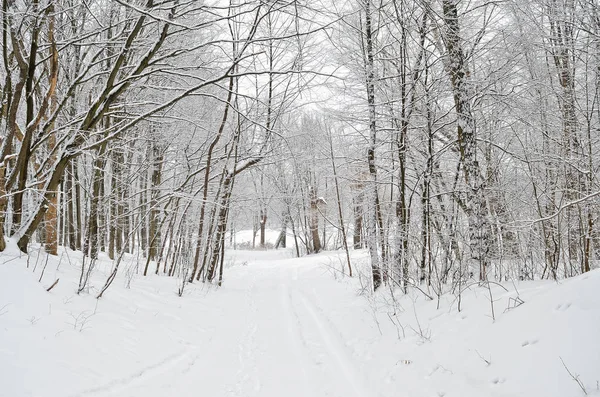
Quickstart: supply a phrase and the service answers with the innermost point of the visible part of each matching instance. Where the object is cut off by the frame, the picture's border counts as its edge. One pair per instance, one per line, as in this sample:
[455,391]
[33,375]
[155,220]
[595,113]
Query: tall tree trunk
[154,208]
[143,211]
[77,197]
[560,15]
[51,216]
[69,210]
[372,194]
[115,239]
[51,220]
[22,164]
[426,260]
[5,112]
[114,197]
[475,200]
[91,245]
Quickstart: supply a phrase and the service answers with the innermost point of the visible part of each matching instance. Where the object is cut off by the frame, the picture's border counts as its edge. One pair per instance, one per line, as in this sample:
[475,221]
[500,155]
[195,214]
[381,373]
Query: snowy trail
[280,343]
[350,375]
[291,350]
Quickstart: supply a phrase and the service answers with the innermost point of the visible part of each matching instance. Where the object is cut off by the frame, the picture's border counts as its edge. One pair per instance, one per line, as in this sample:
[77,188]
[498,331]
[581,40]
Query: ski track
[309,347]
[296,338]
[247,383]
[334,346]
[168,364]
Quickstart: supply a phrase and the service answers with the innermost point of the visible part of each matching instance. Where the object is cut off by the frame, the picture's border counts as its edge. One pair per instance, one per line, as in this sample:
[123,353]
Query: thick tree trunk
[51,221]
[22,163]
[475,200]
[154,208]
[51,225]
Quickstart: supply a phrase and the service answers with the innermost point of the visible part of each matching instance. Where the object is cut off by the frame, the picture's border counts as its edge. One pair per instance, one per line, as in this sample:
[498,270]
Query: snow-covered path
[264,333]
[271,339]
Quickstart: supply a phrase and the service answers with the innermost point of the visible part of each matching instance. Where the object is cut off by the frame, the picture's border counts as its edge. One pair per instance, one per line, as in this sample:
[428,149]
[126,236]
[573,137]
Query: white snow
[285,326]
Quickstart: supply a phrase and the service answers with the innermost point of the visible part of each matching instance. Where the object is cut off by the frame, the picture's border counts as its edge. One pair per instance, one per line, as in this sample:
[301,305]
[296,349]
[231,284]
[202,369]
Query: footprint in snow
[563,307]
[498,381]
[529,342]
[127,325]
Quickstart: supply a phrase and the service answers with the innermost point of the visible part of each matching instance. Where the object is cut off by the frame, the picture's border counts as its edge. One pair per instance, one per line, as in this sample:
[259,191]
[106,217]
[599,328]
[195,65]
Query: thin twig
[488,362]
[575,377]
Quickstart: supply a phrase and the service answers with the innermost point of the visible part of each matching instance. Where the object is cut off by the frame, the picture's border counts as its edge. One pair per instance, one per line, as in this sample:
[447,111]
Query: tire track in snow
[336,349]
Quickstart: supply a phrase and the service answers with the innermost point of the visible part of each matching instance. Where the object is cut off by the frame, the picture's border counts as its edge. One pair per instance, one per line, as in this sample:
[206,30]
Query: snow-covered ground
[282,326]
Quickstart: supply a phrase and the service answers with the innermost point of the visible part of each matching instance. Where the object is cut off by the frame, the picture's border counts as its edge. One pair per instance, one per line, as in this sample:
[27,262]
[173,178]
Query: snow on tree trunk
[371,184]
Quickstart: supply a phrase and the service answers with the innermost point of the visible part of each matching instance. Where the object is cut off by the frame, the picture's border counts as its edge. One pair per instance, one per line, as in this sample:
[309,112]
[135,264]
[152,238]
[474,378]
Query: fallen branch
[53,285]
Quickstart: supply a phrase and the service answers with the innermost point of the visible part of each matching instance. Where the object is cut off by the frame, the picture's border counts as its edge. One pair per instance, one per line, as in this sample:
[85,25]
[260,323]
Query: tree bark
[91,246]
[475,200]
[372,194]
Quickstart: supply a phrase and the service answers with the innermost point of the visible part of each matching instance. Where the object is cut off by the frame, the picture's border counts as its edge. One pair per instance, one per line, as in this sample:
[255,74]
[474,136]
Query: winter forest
[439,152]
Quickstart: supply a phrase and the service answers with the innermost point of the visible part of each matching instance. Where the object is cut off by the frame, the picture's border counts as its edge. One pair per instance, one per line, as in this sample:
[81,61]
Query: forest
[454,141]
